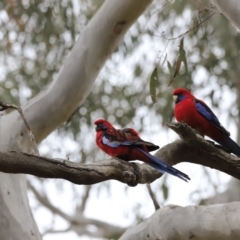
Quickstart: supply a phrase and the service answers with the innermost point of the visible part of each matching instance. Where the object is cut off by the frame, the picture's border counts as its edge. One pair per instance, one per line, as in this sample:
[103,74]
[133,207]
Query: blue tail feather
[164,167]
[230,145]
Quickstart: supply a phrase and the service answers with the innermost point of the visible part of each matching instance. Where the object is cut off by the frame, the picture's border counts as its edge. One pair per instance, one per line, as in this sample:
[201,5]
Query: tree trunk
[53,106]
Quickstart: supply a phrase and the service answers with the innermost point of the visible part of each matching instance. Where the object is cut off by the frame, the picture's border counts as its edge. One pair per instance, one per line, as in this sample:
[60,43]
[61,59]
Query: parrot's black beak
[97,128]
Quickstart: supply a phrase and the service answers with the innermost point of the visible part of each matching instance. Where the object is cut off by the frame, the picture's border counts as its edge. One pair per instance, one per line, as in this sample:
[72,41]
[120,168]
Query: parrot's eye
[97,128]
[179,98]
[100,127]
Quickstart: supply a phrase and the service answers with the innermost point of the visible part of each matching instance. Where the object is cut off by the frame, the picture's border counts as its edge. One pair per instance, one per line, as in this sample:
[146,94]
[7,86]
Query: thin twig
[79,222]
[72,115]
[189,30]
[5,106]
[45,201]
[85,197]
[153,197]
[156,11]
[53,231]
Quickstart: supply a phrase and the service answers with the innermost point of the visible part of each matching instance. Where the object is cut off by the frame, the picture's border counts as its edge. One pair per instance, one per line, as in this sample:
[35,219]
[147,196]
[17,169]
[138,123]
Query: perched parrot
[199,116]
[126,144]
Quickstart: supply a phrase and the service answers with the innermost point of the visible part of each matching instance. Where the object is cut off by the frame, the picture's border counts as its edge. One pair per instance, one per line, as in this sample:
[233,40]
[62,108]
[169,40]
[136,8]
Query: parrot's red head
[102,124]
[180,94]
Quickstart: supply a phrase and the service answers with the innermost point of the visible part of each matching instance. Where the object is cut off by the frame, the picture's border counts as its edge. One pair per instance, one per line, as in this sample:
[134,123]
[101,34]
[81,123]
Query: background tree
[36,40]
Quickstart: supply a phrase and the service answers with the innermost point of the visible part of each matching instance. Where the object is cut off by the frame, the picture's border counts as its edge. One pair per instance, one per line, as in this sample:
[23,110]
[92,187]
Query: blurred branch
[190,29]
[231,9]
[85,197]
[231,194]
[191,148]
[45,201]
[78,223]
[51,230]
[153,197]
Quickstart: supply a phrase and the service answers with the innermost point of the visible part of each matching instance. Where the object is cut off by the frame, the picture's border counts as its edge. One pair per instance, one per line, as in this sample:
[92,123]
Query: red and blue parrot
[126,144]
[199,116]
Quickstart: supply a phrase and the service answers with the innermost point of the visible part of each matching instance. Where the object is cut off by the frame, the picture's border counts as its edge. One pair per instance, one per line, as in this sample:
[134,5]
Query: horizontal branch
[130,173]
[194,148]
[191,148]
[200,222]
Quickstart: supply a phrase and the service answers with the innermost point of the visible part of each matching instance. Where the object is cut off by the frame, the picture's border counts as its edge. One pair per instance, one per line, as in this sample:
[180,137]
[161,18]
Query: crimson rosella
[126,144]
[199,116]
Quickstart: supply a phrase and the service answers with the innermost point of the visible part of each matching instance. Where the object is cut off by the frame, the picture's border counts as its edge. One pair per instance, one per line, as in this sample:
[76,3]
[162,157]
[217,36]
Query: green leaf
[181,48]
[137,70]
[164,60]
[170,68]
[153,84]
[177,66]
[183,55]
[181,58]
[165,191]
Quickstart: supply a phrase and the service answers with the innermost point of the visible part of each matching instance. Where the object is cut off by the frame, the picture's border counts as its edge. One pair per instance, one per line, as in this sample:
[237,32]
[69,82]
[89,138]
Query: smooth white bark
[231,9]
[53,106]
[215,222]
[74,83]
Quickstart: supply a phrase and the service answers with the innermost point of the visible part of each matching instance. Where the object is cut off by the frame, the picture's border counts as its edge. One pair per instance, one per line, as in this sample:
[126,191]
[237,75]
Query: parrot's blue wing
[208,114]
